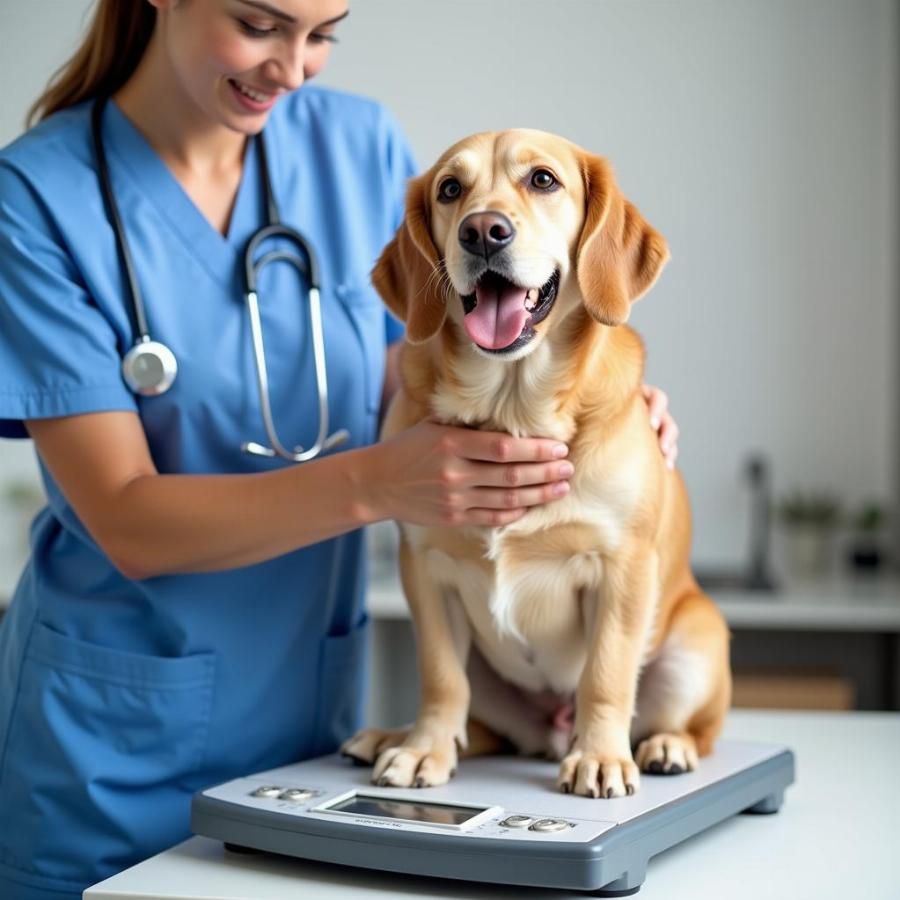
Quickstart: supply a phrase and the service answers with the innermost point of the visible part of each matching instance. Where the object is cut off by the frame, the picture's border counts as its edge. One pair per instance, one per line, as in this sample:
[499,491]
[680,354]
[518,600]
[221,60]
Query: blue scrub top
[119,698]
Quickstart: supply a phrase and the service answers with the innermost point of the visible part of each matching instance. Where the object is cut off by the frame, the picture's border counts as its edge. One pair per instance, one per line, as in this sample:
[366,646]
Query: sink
[733,580]
[754,575]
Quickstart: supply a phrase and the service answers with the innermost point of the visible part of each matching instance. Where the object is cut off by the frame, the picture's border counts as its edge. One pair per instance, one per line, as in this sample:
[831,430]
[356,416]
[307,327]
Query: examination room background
[759,136]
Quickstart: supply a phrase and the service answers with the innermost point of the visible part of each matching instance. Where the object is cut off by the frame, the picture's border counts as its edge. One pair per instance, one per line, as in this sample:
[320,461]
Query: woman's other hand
[662,423]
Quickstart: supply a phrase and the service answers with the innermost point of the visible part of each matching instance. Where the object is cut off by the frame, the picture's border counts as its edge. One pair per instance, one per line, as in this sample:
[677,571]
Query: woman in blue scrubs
[189,612]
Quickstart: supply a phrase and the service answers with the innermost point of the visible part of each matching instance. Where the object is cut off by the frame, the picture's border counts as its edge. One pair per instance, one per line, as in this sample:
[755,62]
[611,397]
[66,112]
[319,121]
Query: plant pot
[810,550]
[866,556]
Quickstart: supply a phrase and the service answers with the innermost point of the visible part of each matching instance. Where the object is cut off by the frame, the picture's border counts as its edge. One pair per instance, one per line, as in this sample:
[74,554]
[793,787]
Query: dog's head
[506,234]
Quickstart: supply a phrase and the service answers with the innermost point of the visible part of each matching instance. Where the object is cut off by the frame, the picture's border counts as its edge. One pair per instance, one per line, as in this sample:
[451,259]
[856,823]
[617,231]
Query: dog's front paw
[415,766]
[598,775]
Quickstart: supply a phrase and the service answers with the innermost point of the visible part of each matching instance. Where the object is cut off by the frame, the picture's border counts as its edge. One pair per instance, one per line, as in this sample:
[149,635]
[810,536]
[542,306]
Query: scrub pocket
[343,666]
[367,312]
[99,749]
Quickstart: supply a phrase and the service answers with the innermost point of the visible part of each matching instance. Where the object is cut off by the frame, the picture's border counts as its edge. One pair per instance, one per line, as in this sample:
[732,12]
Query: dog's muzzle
[500,315]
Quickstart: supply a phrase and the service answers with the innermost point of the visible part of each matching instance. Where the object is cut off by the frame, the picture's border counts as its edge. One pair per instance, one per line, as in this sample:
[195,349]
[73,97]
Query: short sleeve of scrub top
[120,697]
[58,353]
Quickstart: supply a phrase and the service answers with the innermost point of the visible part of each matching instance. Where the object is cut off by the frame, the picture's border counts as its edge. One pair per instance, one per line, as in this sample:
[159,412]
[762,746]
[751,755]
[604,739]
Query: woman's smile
[252,98]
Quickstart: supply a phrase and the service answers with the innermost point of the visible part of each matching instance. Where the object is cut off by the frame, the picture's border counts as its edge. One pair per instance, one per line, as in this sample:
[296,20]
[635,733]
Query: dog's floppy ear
[407,273]
[619,254]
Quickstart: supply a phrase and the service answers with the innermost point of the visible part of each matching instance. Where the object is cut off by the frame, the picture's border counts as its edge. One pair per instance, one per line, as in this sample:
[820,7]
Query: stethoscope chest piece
[149,368]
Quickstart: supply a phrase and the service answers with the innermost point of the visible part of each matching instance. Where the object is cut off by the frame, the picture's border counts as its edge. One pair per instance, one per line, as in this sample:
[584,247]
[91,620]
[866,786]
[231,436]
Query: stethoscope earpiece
[149,367]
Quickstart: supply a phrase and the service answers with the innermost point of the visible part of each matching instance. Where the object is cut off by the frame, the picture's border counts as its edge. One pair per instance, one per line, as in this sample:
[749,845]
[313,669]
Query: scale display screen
[430,813]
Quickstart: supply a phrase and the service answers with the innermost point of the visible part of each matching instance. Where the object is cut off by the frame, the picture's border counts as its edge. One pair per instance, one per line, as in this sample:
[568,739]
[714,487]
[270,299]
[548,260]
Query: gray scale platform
[501,818]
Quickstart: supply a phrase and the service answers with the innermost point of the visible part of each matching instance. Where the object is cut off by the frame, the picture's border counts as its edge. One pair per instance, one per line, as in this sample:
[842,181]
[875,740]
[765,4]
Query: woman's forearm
[206,523]
[160,524]
[227,521]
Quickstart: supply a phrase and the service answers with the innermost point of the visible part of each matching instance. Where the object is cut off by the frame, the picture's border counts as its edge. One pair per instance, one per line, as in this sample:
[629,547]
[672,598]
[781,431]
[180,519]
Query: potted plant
[867,542]
[810,519]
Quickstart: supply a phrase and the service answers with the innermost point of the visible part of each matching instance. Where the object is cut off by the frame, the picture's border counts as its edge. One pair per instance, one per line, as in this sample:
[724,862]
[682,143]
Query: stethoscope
[150,367]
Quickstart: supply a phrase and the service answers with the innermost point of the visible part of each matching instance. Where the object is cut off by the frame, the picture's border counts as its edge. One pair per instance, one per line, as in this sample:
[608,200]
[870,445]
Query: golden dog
[514,270]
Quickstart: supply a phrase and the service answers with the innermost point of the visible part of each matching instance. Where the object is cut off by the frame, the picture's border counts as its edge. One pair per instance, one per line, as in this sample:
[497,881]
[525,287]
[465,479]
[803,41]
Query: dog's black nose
[484,233]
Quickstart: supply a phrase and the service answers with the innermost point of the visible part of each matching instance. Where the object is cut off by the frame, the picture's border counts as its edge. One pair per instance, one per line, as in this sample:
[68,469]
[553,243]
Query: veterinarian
[192,611]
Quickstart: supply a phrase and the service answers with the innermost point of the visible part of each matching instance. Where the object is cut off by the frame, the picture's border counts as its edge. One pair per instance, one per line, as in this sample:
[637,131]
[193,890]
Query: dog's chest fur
[523,586]
[518,400]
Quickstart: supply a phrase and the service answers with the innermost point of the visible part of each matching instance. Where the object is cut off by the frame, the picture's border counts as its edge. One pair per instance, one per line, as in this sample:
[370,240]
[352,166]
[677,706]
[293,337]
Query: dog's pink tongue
[499,316]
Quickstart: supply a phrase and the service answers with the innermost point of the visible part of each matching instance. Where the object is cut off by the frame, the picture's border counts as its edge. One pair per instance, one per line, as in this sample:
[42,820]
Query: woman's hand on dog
[662,423]
[433,474]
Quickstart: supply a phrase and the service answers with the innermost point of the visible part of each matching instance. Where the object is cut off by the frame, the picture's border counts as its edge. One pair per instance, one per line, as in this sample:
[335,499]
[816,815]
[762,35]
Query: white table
[837,836]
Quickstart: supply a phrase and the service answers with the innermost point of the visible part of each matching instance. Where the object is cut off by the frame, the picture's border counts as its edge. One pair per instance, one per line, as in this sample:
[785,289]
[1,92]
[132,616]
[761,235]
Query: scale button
[296,794]
[517,822]
[550,825]
[267,790]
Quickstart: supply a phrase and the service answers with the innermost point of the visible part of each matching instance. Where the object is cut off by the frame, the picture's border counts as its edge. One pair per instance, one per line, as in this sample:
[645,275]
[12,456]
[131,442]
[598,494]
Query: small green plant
[22,494]
[870,517]
[820,509]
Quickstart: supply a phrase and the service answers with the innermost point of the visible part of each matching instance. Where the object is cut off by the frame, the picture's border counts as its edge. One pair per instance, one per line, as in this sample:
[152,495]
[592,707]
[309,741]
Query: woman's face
[235,58]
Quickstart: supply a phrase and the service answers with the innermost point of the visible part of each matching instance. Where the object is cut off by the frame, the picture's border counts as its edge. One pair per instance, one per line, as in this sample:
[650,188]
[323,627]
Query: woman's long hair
[111,49]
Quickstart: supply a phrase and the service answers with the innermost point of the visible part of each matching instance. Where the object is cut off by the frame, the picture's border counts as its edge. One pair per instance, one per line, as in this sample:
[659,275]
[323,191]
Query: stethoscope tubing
[149,367]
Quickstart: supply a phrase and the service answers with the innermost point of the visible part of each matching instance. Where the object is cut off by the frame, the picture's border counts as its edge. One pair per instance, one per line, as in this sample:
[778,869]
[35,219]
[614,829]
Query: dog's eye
[449,190]
[543,180]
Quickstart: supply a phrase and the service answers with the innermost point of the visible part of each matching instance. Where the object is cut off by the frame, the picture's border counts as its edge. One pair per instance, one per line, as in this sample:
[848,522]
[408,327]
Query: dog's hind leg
[684,691]
[508,712]
[482,741]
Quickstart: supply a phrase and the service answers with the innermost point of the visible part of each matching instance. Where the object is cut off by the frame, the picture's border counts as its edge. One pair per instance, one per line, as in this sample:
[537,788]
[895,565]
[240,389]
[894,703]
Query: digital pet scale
[500,819]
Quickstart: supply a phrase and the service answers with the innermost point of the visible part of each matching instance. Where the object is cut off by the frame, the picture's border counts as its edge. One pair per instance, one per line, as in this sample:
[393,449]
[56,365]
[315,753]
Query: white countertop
[832,604]
[835,838]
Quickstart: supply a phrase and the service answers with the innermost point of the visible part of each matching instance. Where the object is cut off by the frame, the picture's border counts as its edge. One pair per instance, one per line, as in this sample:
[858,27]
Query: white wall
[760,137]
[35,38]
